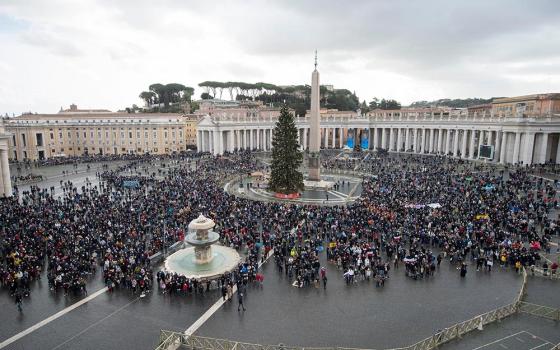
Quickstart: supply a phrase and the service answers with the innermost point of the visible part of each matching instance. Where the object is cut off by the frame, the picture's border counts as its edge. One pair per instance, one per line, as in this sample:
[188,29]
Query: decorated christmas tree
[286,157]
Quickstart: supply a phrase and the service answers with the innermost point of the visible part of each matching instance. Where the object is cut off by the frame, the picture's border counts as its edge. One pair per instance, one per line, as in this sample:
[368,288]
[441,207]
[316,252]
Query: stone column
[516,148]
[2,192]
[304,138]
[391,139]
[455,142]
[6,181]
[503,148]
[407,140]
[423,142]
[497,144]
[250,135]
[258,144]
[414,140]
[374,139]
[383,138]
[544,147]
[430,140]
[231,139]
[198,140]
[440,141]
[464,144]
[528,150]
[471,145]
[399,139]
[340,137]
[333,137]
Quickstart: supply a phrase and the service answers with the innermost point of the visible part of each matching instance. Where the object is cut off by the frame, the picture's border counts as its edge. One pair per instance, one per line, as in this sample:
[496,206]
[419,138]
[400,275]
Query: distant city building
[75,132]
[539,105]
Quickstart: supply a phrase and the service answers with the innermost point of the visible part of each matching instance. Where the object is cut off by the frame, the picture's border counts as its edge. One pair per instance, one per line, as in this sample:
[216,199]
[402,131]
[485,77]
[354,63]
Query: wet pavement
[361,315]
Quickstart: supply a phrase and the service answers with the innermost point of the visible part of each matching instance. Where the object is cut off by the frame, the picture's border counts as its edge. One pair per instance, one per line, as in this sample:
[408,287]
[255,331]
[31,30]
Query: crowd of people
[413,211]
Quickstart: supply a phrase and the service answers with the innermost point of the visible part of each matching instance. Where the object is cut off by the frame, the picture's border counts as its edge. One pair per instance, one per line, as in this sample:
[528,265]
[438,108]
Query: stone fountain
[202,258]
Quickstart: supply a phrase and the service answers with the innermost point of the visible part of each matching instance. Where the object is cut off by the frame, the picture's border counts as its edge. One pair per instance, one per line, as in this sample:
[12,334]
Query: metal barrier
[540,310]
[172,340]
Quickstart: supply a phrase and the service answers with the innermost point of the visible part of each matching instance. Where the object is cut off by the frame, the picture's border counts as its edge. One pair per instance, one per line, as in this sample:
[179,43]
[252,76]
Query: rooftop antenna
[315,59]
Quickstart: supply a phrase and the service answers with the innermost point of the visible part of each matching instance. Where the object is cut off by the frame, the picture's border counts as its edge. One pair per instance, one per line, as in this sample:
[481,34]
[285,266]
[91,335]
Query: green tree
[286,156]
[148,96]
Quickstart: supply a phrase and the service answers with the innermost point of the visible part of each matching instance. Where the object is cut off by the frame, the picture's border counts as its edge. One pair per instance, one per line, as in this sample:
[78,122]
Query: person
[240,299]
[229,291]
[224,292]
[324,277]
[463,269]
[18,300]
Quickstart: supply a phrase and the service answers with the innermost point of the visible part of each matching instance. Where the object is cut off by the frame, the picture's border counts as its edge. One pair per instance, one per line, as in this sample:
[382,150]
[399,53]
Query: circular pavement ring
[309,197]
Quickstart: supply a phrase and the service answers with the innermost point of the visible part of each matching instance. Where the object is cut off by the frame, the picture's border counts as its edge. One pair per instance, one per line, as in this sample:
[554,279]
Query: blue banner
[365,143]
[131,184]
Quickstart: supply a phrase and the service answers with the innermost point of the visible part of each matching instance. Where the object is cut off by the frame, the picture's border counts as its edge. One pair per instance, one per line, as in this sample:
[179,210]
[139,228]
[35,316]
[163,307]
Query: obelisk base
[314,167]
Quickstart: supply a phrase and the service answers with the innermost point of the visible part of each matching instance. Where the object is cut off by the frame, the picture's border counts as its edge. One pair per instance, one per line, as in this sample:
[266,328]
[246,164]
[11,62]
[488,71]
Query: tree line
[160,94]
[454,103]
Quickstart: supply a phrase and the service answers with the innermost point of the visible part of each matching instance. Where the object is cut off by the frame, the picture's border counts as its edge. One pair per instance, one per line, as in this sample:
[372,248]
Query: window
[52,136]
[24,141]
[39,138]
[130,134]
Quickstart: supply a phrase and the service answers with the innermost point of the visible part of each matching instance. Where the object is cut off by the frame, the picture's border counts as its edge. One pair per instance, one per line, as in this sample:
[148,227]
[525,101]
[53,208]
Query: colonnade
[220,141]
[511,144]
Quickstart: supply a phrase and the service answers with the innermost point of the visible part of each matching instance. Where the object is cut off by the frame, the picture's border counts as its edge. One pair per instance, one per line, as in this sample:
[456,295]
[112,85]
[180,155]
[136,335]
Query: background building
[75,132]
[539,105]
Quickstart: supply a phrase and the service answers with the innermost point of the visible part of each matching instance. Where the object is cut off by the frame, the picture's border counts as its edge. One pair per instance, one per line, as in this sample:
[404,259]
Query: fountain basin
[184,262]
[196,240]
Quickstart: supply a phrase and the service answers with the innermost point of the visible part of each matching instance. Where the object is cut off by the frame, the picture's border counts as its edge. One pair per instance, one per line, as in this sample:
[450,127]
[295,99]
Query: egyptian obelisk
[315,128]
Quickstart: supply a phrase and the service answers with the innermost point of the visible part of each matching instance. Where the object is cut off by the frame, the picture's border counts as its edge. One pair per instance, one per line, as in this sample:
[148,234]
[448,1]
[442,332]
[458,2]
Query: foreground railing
[173,340]
[540,310]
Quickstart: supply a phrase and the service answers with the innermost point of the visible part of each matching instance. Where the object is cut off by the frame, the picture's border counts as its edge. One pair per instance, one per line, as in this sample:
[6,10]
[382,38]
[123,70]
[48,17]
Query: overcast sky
[103,53]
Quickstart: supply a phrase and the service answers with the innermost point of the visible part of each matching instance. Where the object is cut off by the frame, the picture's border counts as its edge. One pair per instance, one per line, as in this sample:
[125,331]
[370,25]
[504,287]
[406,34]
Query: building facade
[527,106]
[74,133]
[517,135]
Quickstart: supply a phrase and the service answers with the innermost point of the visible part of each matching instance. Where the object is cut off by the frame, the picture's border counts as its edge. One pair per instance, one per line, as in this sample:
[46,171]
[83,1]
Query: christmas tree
[285,176]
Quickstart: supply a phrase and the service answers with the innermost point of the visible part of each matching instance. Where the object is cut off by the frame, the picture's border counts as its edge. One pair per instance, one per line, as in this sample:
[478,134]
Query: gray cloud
[410,50]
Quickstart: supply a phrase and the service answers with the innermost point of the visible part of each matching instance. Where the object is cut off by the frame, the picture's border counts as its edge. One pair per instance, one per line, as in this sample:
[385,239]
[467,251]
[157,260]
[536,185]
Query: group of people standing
[410,208]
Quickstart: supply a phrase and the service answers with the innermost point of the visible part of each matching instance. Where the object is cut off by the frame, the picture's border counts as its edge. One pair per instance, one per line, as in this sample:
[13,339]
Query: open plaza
[401,245]
[405,198]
